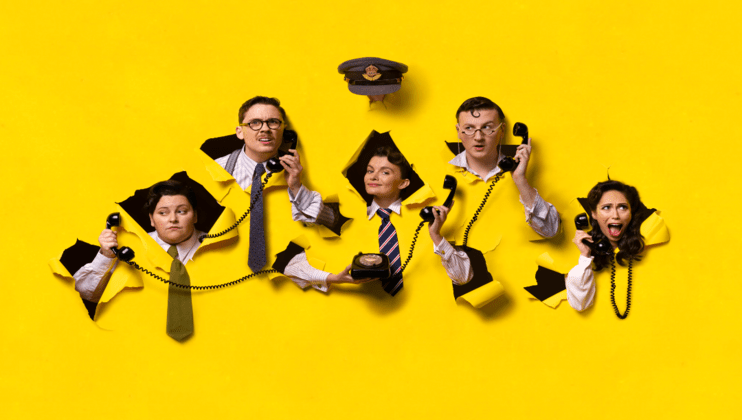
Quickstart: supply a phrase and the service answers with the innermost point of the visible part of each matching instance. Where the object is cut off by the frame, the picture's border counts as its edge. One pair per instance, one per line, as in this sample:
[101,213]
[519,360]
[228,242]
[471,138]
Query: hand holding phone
[603,247]
[290,141]
[449,183]
[125,254]
[508,164]
[107,241]
[370,266]
[292,163]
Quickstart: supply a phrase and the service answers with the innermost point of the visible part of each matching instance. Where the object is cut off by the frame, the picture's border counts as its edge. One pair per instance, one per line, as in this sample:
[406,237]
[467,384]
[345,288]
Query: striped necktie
[256,255]
[389,245]
[179,304]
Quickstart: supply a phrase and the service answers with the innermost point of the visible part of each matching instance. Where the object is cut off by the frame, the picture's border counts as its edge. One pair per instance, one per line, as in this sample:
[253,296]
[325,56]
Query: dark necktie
[179,305]
[256,256]
[389,245]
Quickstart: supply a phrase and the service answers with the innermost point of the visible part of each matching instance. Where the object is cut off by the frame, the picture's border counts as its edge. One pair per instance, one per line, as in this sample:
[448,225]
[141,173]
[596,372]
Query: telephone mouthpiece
[449,182]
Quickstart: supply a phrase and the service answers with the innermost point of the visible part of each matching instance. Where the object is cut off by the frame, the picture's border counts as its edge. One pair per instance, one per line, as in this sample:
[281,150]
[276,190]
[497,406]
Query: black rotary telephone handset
[126,255]
[506,164]
[449,183]
[602,247]
[369,266]
[274,166]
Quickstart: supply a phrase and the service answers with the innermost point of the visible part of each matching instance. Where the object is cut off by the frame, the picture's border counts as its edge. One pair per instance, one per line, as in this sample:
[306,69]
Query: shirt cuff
[444,249]
[539,209]
[584,262]
[306,202]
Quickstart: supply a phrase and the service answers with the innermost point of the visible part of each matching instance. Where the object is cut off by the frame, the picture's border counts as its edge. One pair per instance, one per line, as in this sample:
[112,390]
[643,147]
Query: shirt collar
[395,207]
[461,162]
[249,164]
[184,248]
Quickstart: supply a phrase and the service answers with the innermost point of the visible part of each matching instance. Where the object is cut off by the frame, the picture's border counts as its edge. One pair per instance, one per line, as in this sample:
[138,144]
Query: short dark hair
[631,243]
[479,103]
[169,187]
[395,157]
[261,100]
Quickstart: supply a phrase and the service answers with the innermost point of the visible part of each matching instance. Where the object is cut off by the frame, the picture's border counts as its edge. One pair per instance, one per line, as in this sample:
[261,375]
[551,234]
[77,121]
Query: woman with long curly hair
[614,208]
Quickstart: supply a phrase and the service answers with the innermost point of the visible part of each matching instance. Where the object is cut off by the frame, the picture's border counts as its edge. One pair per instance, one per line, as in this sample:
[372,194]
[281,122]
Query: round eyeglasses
[256,125]
[487,130]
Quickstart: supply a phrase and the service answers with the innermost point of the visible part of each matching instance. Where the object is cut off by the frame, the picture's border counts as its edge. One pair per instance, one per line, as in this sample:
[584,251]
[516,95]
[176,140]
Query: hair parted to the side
[631,243]
[169,187]
[395,157]
[261,100]
[479,103]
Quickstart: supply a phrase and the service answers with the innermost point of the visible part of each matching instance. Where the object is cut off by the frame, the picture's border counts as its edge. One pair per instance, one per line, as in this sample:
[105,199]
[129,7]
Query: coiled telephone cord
[237,223]
[412,246]
[210,287]
[613,290]
[481,206]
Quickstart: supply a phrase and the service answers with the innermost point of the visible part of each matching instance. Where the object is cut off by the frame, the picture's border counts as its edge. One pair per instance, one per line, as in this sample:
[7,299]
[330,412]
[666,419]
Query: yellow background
[100,98]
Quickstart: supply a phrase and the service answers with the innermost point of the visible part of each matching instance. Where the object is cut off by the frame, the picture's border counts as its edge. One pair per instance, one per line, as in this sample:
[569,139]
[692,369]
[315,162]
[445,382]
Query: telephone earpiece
[603,247]
[125,254]
[274,164]
[521,130]
[449,183]
[508,164]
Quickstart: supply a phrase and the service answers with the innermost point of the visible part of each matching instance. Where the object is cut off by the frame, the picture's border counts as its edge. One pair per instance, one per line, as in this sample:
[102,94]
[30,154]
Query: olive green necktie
[179,305]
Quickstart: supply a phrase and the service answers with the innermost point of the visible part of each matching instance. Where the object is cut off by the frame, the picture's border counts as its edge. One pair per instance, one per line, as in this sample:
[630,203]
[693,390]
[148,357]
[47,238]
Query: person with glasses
[262,121]
[262,129]
[481,129]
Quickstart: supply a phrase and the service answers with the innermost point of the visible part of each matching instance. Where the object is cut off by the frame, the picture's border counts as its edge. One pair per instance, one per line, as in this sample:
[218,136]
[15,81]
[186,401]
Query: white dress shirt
[456,263]
[89,278]
[580,284]
[542,217]
[304,207]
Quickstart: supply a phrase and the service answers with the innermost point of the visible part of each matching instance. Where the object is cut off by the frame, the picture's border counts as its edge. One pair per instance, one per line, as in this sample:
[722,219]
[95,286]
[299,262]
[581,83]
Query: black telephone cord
[237,223]
[210,287]
[481,206]
[613,290]
[412,246]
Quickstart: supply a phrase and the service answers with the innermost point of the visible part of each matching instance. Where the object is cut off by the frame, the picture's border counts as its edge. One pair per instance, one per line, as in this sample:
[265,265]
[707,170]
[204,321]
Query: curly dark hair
[631,243]
[395,157]
[478,103]
[169,187]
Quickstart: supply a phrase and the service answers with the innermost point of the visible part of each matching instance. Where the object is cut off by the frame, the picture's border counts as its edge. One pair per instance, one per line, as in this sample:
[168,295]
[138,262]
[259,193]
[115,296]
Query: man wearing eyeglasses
[481,129]
[262,122]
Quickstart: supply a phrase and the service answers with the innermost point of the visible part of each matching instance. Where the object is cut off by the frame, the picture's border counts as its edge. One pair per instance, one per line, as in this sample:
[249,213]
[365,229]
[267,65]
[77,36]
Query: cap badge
[371,73]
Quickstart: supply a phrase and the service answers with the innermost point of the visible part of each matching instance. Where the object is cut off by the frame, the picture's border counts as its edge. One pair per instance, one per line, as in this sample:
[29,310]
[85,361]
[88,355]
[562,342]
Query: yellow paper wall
[101,98]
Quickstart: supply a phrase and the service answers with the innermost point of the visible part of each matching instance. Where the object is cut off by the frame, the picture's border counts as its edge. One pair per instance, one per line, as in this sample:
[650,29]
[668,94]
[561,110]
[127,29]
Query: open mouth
[614,229]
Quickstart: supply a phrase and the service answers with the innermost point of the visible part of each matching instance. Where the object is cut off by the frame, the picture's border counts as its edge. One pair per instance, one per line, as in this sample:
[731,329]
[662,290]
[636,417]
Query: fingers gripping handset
[508,164]
[289,137]
[125,254]
[290,141]
[602,247]
[449,183]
